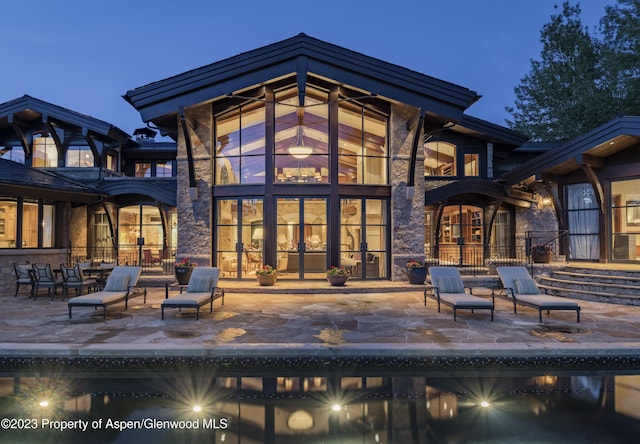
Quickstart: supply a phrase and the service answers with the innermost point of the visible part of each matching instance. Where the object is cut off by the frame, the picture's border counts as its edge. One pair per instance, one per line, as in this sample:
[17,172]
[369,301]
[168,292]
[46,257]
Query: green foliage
[580,81]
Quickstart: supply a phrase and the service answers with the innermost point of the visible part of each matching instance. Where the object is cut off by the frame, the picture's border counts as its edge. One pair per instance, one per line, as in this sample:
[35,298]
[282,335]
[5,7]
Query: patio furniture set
[448,288]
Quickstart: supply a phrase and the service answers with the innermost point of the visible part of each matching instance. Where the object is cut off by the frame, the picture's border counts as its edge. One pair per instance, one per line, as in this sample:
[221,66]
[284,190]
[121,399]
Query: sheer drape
[583,218]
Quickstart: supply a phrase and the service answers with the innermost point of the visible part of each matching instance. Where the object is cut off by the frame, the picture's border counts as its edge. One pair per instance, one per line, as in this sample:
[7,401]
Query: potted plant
[541,254]
[338,276]
[416,271]
[183,271]
[266,275]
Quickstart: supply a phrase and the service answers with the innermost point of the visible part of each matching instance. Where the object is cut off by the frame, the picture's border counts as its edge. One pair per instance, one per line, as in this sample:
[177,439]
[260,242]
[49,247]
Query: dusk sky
[84,55]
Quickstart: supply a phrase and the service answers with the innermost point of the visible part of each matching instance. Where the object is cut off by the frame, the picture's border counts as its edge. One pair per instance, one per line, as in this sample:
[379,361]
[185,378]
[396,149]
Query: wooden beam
[187,142]
[597,186]
[22,135]
[97,152]
[592,161]
[411,174]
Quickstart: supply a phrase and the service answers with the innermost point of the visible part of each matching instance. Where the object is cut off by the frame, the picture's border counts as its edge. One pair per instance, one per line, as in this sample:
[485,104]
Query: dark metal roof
[162,190]
[490,131]
[442,190]
[32,110]
[601,142]
[301,54]
[20,180]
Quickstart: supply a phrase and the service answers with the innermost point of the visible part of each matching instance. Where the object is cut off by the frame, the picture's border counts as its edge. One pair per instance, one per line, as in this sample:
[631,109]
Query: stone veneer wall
[194,212]
[539,219]
[407,205]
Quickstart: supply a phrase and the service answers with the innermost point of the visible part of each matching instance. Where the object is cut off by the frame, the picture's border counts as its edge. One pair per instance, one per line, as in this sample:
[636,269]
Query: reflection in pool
[198,406]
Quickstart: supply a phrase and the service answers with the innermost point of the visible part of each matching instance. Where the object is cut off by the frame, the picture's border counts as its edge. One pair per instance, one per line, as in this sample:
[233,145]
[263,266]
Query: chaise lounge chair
[523,290]
[202,289]
[449,289]
[121,286]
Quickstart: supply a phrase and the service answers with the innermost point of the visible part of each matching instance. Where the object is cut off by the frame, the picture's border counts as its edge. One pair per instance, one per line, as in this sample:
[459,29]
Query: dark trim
[279,59]
[187,143]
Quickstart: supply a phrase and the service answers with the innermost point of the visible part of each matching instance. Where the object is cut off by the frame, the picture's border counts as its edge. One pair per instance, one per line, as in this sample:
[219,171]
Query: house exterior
[305,155]
[72,187]
[591,187]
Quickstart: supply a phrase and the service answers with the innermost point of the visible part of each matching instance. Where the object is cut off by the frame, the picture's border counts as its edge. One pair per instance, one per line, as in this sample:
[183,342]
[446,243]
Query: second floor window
[439,159]
[45,153]
[79,156]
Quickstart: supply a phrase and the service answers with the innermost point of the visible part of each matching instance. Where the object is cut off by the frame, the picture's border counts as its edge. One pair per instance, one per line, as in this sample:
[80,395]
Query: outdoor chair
[202,289]
[523,290]
[121,286]
[74,278]
[24,276]
[449,289]
[43,277]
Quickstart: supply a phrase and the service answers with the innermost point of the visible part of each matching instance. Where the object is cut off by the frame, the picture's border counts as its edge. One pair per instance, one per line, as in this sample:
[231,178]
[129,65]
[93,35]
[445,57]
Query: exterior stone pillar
[407,204]
[195,236]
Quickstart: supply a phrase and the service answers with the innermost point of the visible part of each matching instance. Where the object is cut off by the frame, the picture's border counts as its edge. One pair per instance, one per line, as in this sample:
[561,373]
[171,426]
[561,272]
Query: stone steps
[597,285]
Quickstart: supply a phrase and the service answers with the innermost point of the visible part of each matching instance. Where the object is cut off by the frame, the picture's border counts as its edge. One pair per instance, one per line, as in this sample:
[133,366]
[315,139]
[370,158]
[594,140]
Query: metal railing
[476,259]
[127,256]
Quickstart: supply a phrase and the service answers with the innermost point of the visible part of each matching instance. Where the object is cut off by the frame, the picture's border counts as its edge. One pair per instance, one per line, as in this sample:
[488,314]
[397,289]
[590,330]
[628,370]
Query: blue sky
[84,55]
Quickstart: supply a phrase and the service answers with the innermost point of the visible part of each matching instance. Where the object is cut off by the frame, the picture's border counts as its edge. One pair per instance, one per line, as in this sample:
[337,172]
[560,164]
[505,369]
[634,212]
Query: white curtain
[583,218]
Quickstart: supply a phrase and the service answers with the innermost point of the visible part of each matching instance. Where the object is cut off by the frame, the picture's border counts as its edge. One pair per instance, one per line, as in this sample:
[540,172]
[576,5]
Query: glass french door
[461,236]
[240,236]
[301,237]
[363,237]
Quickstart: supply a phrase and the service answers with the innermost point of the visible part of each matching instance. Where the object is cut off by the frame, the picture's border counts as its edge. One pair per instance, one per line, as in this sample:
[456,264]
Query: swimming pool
[362,400]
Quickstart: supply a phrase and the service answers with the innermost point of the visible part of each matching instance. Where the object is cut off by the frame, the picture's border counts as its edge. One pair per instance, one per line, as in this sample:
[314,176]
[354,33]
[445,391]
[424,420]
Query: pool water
[204,405]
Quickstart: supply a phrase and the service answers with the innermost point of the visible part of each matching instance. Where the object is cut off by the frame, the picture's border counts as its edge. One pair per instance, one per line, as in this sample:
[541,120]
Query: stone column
[195,236]
[407,203]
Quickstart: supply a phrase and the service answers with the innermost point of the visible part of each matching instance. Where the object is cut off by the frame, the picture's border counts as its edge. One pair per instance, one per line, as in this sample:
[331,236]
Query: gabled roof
[301,54]
[595,145]
[490,131]
[32,111]
[21,180]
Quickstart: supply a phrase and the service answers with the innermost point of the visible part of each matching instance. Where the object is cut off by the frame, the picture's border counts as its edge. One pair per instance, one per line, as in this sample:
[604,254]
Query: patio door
[461,236]
[364,237]
[239,236]
[301,237]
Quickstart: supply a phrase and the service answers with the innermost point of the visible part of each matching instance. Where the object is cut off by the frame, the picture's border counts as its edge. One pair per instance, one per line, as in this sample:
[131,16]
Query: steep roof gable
[301,54]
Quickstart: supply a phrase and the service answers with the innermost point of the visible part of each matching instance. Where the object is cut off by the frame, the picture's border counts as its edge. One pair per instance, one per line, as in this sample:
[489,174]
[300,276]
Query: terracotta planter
[417,276]
[337,281]
[183,274]
[266,279]
[541,255]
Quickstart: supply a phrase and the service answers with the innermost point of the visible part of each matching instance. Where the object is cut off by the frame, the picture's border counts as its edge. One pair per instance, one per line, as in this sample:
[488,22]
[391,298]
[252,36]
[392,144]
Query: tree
[562,95]
[620,30]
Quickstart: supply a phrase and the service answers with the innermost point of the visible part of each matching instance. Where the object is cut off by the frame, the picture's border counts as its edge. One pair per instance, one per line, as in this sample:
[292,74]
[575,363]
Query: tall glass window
[362,145]
[240,146]
[48,225]
[164,169]
[143,169]
[45,153]
[30,224]
[439,159]
[583,219]
[8,227]
[302,137]
[625,220]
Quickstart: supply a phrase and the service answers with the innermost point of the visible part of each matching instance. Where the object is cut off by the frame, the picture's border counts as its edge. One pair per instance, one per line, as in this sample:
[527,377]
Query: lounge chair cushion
[199,284]
[117,283]
[546,301]
[462,300]
[99,298]
[526,286]
[450,284]
[185,299]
